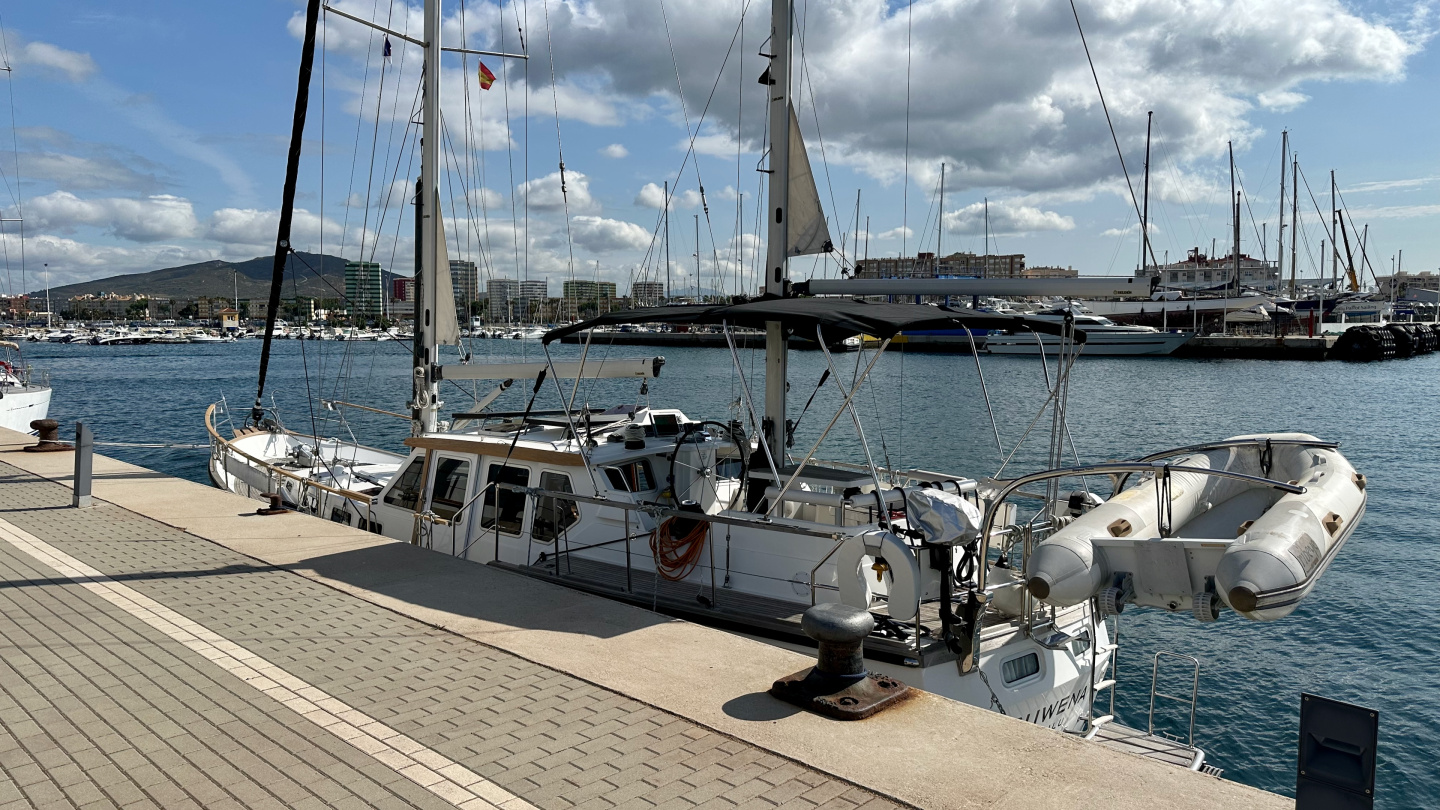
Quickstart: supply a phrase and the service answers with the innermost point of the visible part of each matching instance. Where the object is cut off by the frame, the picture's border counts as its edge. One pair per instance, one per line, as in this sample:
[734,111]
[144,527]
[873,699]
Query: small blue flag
[387,47]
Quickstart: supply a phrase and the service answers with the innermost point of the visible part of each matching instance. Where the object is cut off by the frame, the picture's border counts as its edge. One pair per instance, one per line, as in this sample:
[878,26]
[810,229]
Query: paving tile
[136,718]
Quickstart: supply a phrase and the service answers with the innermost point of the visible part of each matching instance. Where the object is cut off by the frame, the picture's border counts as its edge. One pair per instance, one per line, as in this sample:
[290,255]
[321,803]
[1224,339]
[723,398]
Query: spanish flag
[486,77]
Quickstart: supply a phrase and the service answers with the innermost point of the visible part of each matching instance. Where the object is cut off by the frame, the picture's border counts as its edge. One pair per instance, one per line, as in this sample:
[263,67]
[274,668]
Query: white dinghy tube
[1253,526]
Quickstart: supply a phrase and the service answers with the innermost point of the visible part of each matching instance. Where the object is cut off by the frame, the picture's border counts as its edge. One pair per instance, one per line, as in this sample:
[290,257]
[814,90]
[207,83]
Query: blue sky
[154,134]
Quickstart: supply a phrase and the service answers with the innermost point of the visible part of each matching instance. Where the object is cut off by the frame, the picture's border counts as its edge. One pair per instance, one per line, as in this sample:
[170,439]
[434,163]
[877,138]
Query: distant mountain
[310,275]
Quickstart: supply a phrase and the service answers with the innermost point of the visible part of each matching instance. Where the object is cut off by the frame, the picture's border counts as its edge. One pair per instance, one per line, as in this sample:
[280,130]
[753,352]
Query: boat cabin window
[505,509]
[447,494]
[405,493]
[554,515]
[1020,668]
[634,476]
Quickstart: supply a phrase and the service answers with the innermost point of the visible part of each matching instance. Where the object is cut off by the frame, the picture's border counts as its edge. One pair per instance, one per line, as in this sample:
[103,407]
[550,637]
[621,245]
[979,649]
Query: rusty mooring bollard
[276,507]
[838,685]
[49,435]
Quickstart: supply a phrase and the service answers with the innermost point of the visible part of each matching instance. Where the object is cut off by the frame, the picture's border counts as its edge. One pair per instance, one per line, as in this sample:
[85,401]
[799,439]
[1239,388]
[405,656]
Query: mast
[1235,250]
[1334,243]
[666,203]
[1236,195]
[287,203]
[1280,235]
[1145,212]
[426,404]
[985,268]
[940,226]
[776,351]
[854,265]
[1294,218]
[697,255]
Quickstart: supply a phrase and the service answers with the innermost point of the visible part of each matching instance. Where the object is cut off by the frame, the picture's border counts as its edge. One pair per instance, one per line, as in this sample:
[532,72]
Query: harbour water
[1368,634]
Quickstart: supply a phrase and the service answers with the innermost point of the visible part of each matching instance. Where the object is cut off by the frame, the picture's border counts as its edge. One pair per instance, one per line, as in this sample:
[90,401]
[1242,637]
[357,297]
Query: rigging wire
[559,146]
[375,140]
[510,142]
[819,133]
[737,246]
[355,151]
[19,200]
[1106,108]
[905,193]
[700,121]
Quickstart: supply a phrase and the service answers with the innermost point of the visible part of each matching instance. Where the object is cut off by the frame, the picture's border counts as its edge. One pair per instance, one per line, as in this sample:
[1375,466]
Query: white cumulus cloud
[546,193]
[600,235]
[652,195]
[145,219]
[615,151]
[1005,218]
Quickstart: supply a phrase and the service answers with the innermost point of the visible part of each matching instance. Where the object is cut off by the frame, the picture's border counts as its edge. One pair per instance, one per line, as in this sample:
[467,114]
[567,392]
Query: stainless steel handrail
[1194,690]
[1228,443]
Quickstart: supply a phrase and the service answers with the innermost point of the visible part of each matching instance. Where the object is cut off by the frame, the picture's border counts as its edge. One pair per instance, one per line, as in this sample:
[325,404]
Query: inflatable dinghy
[1190,541]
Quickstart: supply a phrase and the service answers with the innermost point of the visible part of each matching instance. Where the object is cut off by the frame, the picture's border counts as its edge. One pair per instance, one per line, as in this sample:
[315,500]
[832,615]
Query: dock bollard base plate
[47,447]
[822,694]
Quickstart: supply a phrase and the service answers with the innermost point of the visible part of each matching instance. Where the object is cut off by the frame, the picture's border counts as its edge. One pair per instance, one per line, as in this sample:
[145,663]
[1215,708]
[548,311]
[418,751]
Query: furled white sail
[808,232]
[447,329]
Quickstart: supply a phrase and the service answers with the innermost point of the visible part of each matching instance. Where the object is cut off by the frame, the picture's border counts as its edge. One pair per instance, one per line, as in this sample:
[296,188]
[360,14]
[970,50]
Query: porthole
[1020,668]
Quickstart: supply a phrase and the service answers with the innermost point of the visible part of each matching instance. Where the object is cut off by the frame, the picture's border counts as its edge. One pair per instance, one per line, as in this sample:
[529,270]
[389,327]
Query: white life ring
[856,577]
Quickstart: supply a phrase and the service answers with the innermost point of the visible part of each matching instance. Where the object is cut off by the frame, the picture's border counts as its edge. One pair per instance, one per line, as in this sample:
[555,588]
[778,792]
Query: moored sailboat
[718,520]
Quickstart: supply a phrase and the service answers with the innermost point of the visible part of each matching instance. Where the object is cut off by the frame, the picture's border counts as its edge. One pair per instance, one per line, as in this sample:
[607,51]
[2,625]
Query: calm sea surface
[1370,633]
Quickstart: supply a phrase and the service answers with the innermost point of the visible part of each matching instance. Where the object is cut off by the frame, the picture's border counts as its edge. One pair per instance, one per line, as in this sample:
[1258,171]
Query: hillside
[251,279]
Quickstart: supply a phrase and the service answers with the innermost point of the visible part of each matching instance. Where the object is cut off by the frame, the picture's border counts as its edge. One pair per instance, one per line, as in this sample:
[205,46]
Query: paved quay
[168,648]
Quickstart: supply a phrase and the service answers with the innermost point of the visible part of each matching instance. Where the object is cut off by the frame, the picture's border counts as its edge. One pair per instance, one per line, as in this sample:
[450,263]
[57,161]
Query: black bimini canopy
[838,318]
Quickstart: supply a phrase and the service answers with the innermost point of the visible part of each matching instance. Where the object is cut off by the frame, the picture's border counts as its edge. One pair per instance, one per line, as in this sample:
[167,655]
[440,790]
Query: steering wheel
[697,427]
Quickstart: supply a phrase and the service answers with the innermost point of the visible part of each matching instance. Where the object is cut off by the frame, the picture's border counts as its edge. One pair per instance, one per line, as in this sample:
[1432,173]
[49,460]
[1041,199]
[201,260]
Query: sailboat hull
[20,406]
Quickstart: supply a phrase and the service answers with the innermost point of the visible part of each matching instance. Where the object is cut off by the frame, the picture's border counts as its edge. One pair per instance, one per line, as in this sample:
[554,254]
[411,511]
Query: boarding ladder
[1159,746]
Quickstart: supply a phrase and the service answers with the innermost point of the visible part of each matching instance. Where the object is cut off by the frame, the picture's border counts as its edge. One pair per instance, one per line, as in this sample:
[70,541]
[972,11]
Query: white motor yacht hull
[1097,343]
[1179,308]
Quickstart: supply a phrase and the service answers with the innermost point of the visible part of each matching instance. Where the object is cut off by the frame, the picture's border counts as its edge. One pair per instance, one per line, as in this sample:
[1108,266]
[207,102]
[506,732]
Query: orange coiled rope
[676,557]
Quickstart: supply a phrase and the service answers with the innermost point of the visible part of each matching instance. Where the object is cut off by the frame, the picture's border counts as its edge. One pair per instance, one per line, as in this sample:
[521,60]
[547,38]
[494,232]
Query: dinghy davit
[1191,536]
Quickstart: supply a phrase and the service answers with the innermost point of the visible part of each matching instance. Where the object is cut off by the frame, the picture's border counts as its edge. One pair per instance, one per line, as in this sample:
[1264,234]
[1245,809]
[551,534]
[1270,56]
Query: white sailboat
[24,392]
[717,522]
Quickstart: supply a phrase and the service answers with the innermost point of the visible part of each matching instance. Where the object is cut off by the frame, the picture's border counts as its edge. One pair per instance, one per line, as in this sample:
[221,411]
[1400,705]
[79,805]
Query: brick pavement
[100,709]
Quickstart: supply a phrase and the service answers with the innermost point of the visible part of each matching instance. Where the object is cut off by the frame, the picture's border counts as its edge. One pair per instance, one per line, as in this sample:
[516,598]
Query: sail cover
[447,329]
[808,231]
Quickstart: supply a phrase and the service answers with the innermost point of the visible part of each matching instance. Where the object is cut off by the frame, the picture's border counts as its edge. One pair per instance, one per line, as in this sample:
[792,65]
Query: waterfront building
[402,288]
[1408,285]
[465,281]
[1199,271]
[508,299]
[364,286]
[593,296]
[926,265]
[647,293]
